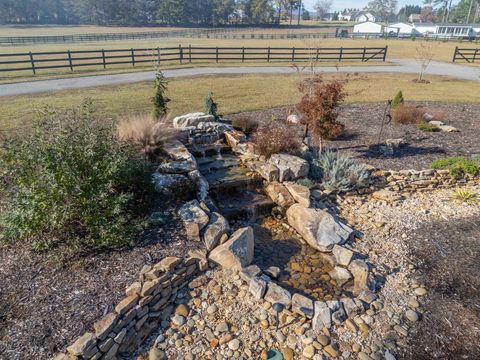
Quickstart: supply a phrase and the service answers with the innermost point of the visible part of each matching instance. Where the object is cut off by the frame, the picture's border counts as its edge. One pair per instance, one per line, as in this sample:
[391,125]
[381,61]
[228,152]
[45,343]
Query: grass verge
[234,93]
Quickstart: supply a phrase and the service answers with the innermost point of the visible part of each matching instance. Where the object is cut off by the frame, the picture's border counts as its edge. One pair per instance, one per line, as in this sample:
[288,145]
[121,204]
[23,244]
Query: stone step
[209,150]
[231,179]
[245,205]
[209,164]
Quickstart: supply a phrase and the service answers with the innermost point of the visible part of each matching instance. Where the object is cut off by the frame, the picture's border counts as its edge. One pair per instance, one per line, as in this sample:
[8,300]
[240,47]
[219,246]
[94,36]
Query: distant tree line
[149,12]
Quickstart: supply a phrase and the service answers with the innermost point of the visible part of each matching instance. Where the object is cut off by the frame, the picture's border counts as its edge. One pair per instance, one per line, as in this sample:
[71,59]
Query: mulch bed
[448,255]
[362,137]
[49,299]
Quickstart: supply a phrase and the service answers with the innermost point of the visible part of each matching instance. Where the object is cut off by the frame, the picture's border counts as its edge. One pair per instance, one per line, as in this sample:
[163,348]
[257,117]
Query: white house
[400,28]
[446,30]
[364,17]
[367,28]
[425,28]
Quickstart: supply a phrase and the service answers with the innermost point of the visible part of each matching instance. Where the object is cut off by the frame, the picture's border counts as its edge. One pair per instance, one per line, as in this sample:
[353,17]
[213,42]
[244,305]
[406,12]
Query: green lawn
[233,93]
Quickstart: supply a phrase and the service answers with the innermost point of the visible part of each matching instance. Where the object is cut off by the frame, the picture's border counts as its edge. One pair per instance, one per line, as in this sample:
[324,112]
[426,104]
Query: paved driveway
[397,66]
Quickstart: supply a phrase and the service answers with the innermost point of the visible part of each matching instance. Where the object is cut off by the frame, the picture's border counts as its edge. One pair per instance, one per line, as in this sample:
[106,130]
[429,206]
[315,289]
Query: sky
[359,4]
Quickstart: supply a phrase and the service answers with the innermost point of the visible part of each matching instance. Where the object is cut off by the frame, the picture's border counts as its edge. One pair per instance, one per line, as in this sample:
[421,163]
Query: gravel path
[405,66]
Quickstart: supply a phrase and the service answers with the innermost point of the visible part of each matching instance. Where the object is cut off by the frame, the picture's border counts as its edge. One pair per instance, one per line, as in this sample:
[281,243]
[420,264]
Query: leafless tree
[425,53]
[322,7]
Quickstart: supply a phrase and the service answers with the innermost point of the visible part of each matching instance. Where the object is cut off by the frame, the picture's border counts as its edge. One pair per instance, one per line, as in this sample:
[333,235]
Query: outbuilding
[400,29]
[367,28]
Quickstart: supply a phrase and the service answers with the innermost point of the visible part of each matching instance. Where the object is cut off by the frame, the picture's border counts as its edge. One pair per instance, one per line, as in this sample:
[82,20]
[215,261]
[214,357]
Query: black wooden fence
[72,59]
[468,55]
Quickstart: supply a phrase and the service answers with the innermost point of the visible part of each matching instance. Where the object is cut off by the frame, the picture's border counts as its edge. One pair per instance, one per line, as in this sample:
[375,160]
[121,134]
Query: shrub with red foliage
[277,137]
[318,105]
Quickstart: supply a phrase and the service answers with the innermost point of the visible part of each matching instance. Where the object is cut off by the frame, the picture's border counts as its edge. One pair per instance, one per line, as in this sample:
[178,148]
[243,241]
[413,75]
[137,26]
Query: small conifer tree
[397,100]
[211,107]
[160,100]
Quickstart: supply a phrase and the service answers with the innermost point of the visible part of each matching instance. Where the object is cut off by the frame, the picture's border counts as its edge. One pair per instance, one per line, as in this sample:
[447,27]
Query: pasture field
[234,94]
[397,49]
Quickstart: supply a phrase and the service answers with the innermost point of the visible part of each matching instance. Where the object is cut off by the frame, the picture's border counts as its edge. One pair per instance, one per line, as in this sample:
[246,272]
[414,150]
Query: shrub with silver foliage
[339,173]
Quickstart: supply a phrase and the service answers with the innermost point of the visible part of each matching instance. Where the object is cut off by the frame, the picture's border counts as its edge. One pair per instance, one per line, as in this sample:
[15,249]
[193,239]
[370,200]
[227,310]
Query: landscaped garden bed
[362,136]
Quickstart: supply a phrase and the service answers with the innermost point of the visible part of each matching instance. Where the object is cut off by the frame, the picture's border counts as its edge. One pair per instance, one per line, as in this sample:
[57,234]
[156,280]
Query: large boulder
[216,228]
[300,193]
[319,229]
[234,137]
[177,151]
[291,167]
[279,195]
[177,167]
[193,119]
[194,218]
[237,252]
[172,184]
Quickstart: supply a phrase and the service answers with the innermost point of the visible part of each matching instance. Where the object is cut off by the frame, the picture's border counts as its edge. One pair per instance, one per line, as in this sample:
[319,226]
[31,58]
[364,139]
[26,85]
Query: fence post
[104,60]
[33,63]
[363,55]
[190,53]
[455,54]
[318,50]
[385,54]
[243,54]
[180,53]
[475,55]
[340,56]
[216,54]
[293,54]
[158,56]
[268,54]
[70,60]
[133,57]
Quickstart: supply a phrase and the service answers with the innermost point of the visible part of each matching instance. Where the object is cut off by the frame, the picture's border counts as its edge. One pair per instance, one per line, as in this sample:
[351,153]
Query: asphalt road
[398,66]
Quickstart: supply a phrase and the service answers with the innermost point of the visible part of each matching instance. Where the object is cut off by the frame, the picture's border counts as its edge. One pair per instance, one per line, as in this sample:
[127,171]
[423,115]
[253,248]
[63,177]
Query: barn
[367,28]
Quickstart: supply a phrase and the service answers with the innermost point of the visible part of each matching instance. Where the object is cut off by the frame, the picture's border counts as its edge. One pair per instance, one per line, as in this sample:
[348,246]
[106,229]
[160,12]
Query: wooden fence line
[468,55]
[72,59]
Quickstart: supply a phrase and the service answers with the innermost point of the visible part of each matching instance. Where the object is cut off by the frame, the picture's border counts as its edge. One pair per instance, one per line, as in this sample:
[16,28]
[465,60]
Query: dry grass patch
[234,94]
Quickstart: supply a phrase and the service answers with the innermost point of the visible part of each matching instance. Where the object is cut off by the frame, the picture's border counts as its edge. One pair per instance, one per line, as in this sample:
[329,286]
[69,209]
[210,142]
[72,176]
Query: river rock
[278,295]
[293,119]
[237,252]
[300,193]
[250,272]
[193,119]
[302,305]
[447,128]
[216,228]
[279,195]
[359,270]
[194,218]
[340,274]
[322,316]
[319,229]
[343,256]
[83,344]
[291,167]
[258,287]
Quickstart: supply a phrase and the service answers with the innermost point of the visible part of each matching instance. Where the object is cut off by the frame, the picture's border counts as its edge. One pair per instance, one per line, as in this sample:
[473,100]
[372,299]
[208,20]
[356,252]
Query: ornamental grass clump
[339,173]
[70,180]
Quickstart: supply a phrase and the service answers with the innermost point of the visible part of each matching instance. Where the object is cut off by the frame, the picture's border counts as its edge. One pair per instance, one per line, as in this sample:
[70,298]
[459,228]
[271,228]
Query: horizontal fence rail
[71,60]
[222,33]
[467,55]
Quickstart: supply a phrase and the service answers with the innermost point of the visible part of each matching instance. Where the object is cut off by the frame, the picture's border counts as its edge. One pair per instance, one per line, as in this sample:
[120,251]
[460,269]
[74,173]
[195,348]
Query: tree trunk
[299,12]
